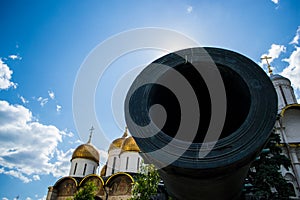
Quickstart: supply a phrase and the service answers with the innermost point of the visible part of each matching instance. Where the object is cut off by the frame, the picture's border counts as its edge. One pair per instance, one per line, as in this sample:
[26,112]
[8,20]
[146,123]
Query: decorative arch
[289,176]
[120,184]
[66,186]
[290,118]
[297,106]
[97,180]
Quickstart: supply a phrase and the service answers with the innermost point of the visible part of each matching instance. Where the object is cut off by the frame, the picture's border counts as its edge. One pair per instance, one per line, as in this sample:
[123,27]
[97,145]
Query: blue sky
[44,43]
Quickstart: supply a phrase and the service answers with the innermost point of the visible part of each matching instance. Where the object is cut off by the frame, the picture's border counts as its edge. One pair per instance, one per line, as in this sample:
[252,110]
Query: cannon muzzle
[201,116]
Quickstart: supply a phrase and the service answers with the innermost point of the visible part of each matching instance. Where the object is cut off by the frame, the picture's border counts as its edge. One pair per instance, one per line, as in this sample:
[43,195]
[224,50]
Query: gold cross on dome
[269,67]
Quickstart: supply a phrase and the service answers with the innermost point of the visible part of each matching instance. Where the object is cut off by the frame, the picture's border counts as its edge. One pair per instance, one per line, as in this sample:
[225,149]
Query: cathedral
[288,127]
[116,177]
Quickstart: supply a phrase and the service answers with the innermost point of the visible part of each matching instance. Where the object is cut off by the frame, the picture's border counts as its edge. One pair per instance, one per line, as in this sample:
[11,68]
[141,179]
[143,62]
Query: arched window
[127,160]
[291,183]
[114,165]
[75,169]
[138,164]
[292,189]
[84,169]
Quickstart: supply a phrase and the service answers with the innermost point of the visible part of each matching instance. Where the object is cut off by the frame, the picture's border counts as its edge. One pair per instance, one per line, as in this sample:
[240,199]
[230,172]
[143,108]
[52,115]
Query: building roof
[129,144]
[117,143]
[87,151]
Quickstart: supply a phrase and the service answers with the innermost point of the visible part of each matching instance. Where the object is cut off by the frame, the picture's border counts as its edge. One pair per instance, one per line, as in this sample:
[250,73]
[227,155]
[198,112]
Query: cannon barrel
[224,131]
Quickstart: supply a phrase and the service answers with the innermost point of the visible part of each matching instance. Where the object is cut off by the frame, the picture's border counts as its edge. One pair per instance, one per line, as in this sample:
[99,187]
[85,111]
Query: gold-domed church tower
[123,156]
[84,164]
[85,160]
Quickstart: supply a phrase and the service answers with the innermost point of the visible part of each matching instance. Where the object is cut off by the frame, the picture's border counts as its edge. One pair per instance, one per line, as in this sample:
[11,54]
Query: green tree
[87,192]
[264,176]
[146,183]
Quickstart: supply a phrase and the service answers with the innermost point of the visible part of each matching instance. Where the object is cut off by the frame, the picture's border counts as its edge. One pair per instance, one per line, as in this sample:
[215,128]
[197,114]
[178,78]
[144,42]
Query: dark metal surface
[251,105]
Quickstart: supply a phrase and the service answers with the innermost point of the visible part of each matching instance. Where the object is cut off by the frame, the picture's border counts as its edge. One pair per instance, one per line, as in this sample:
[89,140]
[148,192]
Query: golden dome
[87,151]
[103,170]
[129,144]
[117,143]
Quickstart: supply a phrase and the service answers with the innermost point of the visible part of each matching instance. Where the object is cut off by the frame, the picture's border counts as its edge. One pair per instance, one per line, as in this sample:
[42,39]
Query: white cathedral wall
[279,130]
[288,127]
[113,162]
[79,164]
[130,161]
[283,87]
[281,103]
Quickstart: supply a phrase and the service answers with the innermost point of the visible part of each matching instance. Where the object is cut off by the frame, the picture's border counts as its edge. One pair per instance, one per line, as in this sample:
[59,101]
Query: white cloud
[189,9]
[28,148]
[43,101]
[14,57]
[297,37]
[4,198]
[78,142]
[58,108]
[15,174]
[62,165]
[51,94]
[28,198]
[5,76]
[103,157]
[24,101]
[36,177]
[67,133]
[274,52]
[43,198]
[275,1]
[292,72]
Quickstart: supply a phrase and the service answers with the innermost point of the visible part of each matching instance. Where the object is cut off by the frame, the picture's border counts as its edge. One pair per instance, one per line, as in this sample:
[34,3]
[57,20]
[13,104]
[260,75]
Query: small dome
[87,151]
[130,145]
[103,170]
[117,143]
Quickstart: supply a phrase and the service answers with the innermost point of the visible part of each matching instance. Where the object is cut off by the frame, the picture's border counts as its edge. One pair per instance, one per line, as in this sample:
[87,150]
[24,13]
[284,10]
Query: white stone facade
[284,90]
[81,167]
[288,127]
[130,162]
[113,162]
[123,161]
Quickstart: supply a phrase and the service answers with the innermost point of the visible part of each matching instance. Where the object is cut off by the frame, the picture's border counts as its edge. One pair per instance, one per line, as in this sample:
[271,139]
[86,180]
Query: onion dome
[86,151]
[129,144]
[117,143]
[103,170]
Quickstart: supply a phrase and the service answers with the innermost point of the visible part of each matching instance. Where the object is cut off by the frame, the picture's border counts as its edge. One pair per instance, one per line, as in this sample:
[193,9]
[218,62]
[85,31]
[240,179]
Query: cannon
[201,116]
